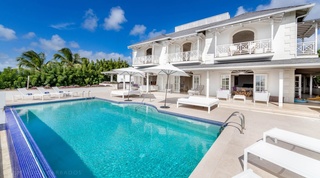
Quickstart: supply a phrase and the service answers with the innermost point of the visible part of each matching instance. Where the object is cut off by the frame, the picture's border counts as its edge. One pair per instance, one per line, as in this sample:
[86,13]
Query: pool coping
[34,163]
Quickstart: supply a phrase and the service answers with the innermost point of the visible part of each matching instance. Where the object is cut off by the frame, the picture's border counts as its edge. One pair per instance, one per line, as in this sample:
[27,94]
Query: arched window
[149,52]
[186,47]
[243,36]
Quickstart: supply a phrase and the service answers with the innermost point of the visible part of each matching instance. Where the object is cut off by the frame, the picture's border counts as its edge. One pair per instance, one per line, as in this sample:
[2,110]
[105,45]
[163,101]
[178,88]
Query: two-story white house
[271,50]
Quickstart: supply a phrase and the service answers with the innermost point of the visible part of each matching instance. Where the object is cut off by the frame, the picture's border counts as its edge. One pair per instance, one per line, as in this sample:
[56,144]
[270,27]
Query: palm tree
[32,60]
[66,57]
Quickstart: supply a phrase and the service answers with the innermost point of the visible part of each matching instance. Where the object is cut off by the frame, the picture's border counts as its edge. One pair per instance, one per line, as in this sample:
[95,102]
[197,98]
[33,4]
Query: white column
[316,38]
[208,84]
[280,88]
[198,47]
[272,34]
[111,80]
[215,44]
[147,82]
[310,86]
[152,52]
[304,84]
[124,82]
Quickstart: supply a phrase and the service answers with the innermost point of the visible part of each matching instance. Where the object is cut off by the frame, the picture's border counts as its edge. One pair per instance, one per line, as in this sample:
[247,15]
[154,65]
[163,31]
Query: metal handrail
[242,121]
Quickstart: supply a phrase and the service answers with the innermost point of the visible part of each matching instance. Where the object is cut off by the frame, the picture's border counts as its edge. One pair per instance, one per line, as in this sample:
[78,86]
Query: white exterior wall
[285,40]
[162,54]
[288,85]
[208,48]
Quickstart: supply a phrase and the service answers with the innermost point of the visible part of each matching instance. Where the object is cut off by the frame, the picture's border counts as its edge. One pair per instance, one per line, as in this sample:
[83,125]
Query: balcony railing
[248,47]
[150,59]
[305,48]
[184,56]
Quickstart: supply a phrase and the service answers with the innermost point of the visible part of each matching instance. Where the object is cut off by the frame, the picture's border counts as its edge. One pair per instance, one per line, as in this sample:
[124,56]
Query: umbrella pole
[129,89]
[165,98]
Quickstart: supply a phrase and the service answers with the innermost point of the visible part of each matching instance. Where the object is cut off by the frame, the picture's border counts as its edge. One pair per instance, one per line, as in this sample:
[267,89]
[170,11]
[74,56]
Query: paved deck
[225,157]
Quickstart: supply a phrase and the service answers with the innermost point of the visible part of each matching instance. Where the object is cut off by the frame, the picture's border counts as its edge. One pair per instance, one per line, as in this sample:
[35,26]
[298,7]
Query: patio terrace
[224,159]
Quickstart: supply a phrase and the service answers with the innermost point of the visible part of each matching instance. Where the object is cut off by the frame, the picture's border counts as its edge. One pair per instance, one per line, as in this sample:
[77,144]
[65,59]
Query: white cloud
[62,26]
[55,43]
[6,61]
[138,30]
[154,33]
[102,55]
[29,35]
[74,44]
[240,11]
[90,20]
[114,20]
[7,33]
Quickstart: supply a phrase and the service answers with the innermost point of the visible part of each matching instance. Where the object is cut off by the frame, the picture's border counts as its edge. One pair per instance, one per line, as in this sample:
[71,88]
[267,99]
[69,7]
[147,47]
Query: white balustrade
[184,56]
[150,59]
[248,47]
[306,48]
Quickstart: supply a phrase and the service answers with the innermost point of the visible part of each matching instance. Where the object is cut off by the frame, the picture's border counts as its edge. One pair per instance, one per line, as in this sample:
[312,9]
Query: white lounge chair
[261,96]
[293,138]
[223,94]
[196,90]
[198,101]
[64,93]
[47,93]
[297,163]
[24,93]
[124,93]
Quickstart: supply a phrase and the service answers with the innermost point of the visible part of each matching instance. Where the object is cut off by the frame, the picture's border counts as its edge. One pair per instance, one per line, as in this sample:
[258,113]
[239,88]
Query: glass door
[176,87]
[297,85]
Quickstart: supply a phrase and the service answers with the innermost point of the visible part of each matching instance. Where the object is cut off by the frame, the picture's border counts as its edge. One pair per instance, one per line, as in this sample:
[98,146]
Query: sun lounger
[24,93]
[124,93]
[198,101]
[45,92]
[297,163]
[65,93]
[293,138]
[247,174]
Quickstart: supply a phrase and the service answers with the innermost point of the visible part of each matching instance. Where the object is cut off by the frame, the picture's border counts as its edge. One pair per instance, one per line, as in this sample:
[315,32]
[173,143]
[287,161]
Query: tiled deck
[224,159]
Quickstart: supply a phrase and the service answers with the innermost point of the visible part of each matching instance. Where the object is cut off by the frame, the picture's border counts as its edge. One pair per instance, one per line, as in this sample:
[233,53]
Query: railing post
[316,38]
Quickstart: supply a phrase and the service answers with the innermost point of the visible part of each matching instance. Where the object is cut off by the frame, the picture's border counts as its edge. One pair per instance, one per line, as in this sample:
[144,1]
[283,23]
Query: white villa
[273,51]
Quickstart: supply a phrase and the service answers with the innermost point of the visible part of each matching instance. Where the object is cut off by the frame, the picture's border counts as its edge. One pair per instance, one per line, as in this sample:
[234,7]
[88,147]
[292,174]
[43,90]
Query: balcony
[146,60]
[306,48]
[244,48]
[188,56]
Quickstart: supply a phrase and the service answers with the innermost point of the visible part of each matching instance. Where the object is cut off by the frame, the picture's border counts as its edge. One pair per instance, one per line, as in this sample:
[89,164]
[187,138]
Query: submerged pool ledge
[26,158]
[168,112]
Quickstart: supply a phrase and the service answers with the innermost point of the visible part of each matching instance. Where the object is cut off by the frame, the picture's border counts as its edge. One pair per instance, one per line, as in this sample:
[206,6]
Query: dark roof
[240,18]
[296,63]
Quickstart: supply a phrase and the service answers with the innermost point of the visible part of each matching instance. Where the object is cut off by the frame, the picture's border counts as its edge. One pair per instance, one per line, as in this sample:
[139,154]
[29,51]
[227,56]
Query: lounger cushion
[198,101]
[297,163]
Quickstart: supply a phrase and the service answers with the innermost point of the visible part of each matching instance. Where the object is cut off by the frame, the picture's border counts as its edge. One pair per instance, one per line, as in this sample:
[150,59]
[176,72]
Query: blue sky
[105,28]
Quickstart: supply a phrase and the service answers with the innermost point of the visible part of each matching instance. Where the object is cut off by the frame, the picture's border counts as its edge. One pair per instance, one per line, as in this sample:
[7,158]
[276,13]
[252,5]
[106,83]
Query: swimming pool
[97,138]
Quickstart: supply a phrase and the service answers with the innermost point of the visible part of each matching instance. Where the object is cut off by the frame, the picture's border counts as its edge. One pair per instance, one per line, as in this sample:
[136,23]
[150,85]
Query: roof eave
[259,17]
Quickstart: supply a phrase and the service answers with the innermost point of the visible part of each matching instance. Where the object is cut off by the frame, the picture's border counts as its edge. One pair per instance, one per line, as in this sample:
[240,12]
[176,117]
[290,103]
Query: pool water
[96,138]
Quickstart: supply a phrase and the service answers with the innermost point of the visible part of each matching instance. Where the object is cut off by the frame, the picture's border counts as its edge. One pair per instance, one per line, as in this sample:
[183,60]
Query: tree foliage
[66,69]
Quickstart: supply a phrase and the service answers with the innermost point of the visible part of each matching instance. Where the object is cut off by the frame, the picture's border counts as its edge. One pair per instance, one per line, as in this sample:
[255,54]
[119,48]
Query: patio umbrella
[166,69]
[131,72]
